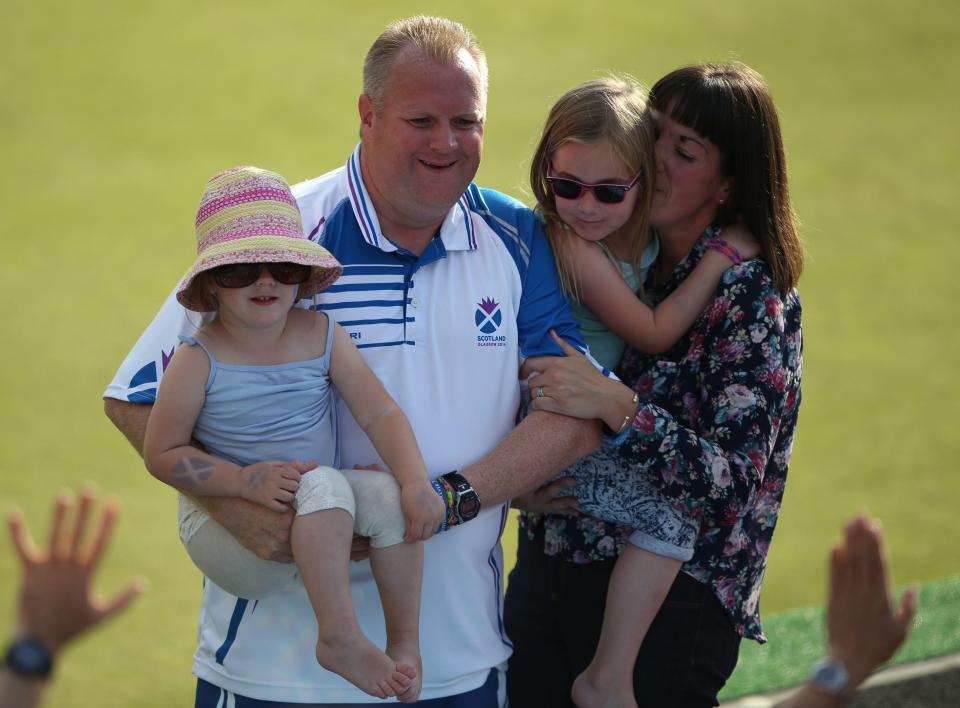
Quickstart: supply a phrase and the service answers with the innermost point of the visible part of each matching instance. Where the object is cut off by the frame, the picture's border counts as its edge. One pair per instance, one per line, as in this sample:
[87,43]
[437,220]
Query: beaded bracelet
[438,487]
[721,246]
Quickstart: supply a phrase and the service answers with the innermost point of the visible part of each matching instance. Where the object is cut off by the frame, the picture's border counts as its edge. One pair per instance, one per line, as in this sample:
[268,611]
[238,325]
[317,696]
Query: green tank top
[605,346]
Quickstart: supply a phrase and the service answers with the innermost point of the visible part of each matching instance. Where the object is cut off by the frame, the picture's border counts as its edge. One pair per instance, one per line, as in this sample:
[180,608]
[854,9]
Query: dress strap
[193,340]
[617,263]
[213,362]
[329,348]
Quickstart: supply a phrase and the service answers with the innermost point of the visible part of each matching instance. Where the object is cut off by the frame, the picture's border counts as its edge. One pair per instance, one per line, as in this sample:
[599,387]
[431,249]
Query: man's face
[422,145]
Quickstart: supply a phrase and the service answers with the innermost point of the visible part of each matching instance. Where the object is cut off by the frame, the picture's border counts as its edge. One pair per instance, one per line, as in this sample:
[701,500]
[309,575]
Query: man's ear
[365,109]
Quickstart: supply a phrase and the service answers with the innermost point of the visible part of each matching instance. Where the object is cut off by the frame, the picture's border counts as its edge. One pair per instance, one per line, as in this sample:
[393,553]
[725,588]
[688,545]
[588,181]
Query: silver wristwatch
[830,676]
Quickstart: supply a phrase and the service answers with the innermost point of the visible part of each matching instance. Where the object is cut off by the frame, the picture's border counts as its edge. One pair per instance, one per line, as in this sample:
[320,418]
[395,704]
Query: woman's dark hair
[731,105]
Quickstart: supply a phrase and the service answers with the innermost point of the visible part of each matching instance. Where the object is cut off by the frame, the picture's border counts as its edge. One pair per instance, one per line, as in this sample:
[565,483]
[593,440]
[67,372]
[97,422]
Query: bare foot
[349,653]
[407,656]
[591,690]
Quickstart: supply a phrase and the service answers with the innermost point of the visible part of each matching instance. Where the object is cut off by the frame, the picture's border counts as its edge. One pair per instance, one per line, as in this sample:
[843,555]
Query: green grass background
[113,114]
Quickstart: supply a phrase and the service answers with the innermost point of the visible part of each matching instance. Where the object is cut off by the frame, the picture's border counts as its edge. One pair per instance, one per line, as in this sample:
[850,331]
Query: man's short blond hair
[437,38]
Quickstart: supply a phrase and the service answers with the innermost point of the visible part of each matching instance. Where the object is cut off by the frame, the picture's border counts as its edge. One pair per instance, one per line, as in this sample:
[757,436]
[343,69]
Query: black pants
[553,614]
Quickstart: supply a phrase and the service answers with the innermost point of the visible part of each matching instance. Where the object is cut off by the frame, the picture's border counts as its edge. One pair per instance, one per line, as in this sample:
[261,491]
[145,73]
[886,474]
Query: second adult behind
[714,428]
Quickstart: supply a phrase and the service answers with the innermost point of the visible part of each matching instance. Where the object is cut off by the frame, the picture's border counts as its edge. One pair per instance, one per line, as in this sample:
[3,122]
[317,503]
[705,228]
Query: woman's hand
[572,386]
[423,510]
[547,499]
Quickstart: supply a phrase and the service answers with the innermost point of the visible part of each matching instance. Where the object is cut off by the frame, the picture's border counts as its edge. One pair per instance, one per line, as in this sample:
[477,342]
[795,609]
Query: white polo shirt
[446,332]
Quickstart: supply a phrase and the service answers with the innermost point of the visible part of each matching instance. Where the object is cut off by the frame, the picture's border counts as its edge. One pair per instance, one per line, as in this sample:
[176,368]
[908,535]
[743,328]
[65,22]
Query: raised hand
[56,601]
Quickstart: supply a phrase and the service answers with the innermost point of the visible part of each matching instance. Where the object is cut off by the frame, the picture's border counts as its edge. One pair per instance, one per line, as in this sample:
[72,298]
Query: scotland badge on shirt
[488,318]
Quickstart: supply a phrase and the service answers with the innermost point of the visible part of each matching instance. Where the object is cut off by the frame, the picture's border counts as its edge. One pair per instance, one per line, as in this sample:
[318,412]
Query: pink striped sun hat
[248,215]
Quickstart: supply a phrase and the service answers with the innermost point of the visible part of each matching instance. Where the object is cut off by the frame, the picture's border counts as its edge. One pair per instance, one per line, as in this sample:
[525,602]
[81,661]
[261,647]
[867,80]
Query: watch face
[830,675]
[28,657]
[469,506]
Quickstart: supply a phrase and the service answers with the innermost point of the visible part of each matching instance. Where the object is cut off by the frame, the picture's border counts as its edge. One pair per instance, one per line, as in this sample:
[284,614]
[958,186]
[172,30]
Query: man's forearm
[130,419]
[537,449]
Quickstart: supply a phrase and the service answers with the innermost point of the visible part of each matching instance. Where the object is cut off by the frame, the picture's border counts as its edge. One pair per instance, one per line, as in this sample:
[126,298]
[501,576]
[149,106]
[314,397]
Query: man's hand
[56,599]
[264,532]
[547,499]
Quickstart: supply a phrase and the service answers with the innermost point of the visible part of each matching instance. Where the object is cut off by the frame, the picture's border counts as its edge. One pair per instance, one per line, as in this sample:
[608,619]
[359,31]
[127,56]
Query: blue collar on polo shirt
[456,231]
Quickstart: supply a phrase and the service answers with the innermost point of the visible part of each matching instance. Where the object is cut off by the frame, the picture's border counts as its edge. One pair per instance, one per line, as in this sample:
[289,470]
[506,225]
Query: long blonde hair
[611,108]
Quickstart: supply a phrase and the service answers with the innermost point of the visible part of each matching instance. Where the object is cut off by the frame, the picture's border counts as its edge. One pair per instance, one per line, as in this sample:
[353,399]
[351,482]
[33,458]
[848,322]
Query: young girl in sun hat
[254,387]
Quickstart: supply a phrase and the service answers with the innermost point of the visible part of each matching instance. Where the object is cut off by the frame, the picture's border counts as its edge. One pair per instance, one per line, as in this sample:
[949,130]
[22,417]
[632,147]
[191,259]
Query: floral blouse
[715,430]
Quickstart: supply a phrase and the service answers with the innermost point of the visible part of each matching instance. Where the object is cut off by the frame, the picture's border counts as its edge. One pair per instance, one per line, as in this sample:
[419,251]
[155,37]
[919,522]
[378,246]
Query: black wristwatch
[466,502]
[28,657]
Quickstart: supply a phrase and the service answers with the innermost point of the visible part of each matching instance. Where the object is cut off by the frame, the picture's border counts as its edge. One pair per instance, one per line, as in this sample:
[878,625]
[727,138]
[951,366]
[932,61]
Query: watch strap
[28,657]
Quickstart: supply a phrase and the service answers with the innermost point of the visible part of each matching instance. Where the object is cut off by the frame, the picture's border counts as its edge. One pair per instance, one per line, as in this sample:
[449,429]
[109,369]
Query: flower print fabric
[714,433]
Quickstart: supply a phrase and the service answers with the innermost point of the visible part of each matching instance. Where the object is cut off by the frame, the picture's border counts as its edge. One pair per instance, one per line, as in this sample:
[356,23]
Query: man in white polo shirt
[446,288]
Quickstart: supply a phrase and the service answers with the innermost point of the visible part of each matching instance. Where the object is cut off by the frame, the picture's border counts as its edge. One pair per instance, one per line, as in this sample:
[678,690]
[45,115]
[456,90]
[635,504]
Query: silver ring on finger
[539,391]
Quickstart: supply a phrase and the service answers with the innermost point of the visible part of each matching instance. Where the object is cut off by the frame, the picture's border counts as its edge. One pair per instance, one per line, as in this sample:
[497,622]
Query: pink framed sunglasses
[566,188]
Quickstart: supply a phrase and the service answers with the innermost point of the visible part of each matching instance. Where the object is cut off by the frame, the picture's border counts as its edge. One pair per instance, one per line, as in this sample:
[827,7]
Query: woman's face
[690,186]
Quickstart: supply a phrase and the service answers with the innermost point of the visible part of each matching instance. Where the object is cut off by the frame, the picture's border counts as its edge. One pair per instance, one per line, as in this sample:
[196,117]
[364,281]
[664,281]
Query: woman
[715,422]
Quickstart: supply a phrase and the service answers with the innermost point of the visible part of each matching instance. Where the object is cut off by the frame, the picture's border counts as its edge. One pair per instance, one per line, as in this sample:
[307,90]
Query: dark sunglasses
[567,188]
[240,275]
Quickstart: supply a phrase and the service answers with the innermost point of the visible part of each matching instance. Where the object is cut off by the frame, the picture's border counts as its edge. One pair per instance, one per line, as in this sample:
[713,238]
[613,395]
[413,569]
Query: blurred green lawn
[112,116]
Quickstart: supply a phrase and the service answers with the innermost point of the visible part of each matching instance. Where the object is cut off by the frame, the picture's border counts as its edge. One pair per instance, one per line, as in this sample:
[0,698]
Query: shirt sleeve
[139,375]
[749,378]
[542,305]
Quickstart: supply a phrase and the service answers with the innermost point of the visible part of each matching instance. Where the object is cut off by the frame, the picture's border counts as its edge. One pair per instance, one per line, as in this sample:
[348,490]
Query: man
[446,287]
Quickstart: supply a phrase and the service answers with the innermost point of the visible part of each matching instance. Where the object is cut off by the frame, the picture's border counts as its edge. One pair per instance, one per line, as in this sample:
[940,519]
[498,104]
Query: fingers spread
[80,521]
[61,508]
[21,539]
[122,599]
[111,510]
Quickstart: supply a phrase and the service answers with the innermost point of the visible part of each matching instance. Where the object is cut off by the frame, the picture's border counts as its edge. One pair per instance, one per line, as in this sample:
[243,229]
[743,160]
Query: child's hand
[423,510]
[272,484]
[738,236]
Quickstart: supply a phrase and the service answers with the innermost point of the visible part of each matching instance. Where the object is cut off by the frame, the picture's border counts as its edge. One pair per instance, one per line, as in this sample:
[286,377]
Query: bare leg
[321,547]
[639,583]
[398,570]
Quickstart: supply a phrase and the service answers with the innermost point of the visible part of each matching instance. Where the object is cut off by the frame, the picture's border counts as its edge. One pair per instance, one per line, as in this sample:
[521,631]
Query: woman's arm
[379,416]
[173,460]
[651,330]
[748,390]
